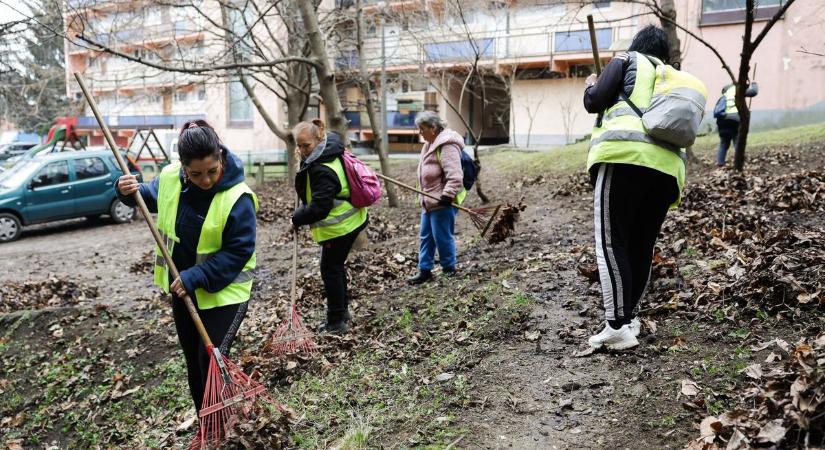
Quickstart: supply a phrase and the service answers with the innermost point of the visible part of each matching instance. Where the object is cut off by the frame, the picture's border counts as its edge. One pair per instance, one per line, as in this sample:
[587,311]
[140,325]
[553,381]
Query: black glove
[445,201]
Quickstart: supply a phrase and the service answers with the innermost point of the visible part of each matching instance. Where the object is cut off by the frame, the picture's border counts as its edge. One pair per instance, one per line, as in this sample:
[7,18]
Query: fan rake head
[229,397]
[292,336]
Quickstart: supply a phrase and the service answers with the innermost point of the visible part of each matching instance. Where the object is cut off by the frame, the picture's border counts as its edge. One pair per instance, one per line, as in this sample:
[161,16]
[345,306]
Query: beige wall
[552,104]
[788,80]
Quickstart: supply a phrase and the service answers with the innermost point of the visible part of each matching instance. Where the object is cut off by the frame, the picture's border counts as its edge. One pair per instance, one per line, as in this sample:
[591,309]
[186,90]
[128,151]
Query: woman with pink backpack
[327,207]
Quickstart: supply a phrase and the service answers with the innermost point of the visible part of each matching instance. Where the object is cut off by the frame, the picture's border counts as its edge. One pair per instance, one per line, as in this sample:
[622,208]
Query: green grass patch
[570,158]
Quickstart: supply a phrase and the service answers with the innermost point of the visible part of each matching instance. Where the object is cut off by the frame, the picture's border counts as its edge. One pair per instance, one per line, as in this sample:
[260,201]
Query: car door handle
[64,191]
[108,183]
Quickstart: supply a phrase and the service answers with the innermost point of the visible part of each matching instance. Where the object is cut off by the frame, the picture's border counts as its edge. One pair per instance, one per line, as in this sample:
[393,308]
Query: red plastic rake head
[229,396]
[292,336]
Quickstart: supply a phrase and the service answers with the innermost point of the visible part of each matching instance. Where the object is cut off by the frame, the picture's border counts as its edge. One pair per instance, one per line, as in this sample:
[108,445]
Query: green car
[59,186]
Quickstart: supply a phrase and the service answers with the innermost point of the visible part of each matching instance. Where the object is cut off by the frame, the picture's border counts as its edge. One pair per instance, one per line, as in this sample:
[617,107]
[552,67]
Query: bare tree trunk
[364,83]
[326,76]
[477,139]
[742,87]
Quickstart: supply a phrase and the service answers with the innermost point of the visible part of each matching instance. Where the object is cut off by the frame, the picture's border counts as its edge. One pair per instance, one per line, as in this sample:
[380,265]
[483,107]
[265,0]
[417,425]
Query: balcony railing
[431,46]
[134,122]
[395,119]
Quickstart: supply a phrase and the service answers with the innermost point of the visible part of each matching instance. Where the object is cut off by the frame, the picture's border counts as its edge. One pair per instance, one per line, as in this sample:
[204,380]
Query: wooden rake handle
[144,210]
[594,45]
[407,186]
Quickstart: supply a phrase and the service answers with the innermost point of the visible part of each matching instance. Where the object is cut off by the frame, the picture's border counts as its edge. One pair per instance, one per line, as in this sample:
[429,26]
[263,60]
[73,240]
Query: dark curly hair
[198,140]
[651,40]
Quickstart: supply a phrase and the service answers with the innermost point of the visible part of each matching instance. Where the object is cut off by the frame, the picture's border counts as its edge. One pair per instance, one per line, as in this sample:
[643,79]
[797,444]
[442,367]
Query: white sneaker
[620,339]
[635,326]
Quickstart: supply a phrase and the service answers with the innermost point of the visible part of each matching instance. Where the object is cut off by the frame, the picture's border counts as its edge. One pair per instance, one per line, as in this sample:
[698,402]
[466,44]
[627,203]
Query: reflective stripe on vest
[622,139]
[209,241]
[730,101]
[343,218]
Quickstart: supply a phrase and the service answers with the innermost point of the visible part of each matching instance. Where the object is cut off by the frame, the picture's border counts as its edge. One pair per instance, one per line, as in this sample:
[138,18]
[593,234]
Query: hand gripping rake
[481,217]
[229,391]
[292,335]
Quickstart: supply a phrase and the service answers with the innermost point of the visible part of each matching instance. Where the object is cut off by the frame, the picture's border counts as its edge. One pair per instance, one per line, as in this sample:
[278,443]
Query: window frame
[76,163]
[46,166]
[238,123]
[736,16]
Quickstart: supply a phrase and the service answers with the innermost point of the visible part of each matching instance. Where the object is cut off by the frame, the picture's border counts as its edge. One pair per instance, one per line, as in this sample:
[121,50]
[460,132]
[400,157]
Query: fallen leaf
[753,371]
[772,432]
[738,441]
[444,376]
[689,388]
[532,336]
[709,428]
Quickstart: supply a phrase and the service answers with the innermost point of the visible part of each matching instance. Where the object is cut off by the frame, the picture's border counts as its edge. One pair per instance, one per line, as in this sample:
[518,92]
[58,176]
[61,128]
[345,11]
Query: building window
[579,41]
[601,5]
[202,93]
[181,96]
[240,107]
[715,12]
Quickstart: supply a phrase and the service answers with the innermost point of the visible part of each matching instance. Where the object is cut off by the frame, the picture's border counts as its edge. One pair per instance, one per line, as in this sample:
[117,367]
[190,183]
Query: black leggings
[630,204]
[334,254]
[221,323]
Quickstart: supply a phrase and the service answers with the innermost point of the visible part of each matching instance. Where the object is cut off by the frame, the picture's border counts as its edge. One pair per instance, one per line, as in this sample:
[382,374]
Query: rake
[481,217]
[229,392]
[292,335]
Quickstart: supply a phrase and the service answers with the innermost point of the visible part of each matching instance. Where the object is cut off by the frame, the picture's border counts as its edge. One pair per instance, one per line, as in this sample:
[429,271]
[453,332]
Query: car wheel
[121,213]
[10,227]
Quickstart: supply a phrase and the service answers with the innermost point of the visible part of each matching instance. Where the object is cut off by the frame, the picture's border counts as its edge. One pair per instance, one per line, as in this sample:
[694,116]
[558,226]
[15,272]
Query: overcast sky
[9,10]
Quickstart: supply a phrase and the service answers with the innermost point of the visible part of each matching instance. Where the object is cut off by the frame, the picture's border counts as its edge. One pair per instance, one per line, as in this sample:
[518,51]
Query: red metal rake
[229,391]
[292,335]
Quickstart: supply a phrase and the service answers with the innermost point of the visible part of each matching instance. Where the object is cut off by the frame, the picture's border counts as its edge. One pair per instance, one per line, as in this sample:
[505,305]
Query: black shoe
[338,328]
[422,277]
[448,272]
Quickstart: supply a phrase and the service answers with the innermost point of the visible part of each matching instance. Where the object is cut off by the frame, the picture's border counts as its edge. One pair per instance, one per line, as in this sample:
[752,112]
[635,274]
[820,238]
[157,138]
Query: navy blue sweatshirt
[238,235]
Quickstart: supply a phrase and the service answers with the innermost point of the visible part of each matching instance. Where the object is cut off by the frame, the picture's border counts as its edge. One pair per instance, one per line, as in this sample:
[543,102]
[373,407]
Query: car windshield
[17,175]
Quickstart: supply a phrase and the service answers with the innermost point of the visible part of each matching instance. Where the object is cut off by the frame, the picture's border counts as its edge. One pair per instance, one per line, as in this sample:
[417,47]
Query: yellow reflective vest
[621,136]
[209,242]
[343,218]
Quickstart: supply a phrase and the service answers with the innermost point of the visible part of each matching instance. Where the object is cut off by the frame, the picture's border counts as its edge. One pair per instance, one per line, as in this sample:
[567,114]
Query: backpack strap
[630,103]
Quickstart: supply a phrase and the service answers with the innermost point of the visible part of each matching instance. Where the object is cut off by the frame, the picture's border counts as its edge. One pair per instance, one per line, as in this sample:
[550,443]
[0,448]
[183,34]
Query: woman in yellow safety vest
[322,186]
[636,179]
[206,215]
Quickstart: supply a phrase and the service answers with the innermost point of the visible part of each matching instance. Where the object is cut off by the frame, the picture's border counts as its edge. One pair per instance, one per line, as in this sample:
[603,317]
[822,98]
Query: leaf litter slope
[738,269]
[736,298]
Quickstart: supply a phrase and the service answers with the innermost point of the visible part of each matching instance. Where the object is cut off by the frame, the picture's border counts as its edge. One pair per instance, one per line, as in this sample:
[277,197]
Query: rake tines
[228,399]
[292,336]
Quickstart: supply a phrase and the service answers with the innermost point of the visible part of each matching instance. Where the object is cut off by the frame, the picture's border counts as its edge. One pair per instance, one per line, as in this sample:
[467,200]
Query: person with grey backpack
[648,113]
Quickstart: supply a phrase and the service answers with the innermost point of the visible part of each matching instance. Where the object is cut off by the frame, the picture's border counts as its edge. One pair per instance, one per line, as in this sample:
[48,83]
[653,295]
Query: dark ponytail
[198,140]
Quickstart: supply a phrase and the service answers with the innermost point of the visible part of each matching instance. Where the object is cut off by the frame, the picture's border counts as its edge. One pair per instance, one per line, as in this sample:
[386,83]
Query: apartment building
[534,55]
[530,58]
[134,96]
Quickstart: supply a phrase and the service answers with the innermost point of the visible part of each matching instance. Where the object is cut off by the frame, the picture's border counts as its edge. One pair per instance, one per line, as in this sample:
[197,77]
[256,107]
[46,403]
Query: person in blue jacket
[200,189]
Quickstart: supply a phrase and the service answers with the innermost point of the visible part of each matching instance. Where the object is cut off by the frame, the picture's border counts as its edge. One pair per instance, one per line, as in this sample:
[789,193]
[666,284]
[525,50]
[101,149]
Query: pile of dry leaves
[266,428]
[505,223]
[41,294]
[787,402]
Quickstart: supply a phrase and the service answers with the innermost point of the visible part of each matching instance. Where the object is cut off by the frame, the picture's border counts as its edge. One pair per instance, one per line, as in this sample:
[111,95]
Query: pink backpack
[364,186]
